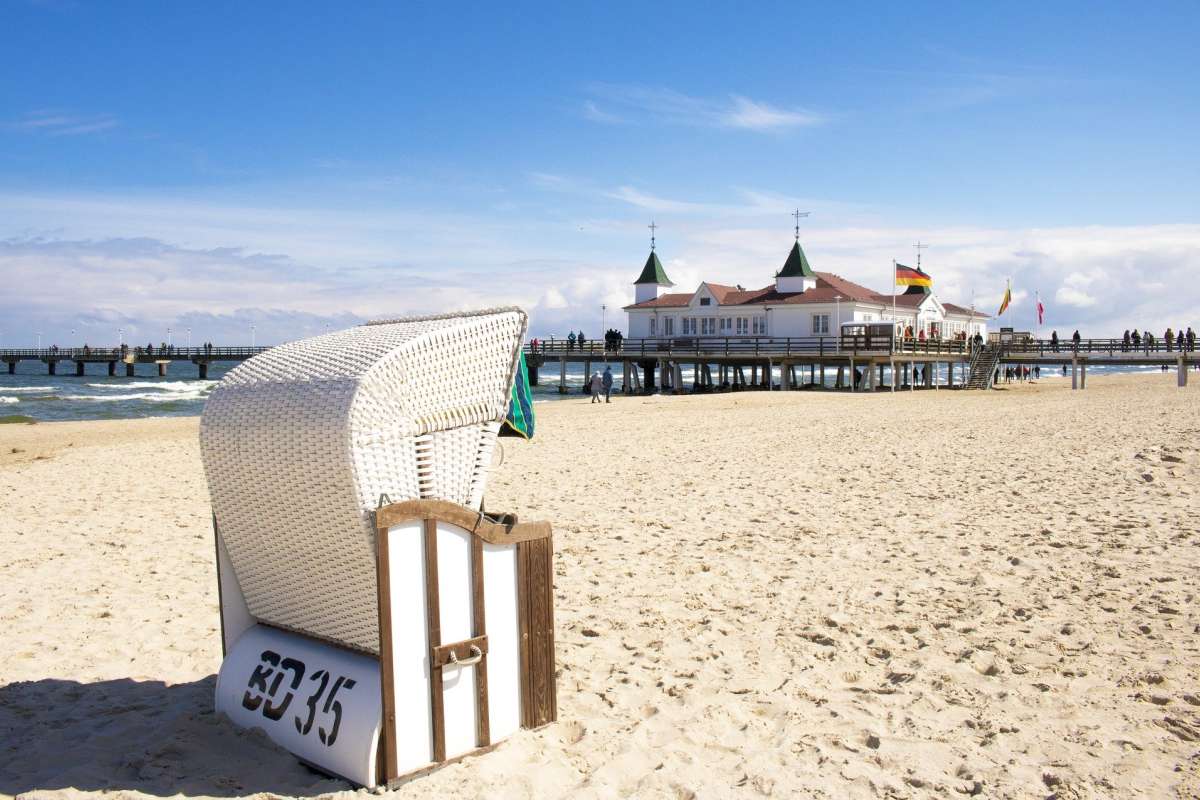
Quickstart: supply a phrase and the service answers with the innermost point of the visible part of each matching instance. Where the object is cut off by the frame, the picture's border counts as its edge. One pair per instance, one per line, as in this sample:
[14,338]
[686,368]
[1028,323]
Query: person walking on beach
[571,340]
[607,382]
[595,384]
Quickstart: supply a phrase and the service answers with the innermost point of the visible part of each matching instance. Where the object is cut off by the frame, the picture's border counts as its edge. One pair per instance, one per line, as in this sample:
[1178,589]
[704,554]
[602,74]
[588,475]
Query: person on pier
[571,340]
[1054,341]
[1191,339]
[1125,342]
[1075,340]
[1170,339]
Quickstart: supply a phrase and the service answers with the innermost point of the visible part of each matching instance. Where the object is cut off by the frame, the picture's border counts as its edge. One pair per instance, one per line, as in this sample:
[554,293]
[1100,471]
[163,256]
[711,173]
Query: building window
[743,326]
[760,326]
[689,326]
[708,326]
[653,326]
[705,301]
[726,325]
[668,326]
[820,324]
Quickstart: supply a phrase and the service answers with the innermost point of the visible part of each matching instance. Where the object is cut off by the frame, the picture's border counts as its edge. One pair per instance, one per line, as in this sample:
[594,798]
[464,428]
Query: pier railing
[1105,347]
[165,352]
[750,346]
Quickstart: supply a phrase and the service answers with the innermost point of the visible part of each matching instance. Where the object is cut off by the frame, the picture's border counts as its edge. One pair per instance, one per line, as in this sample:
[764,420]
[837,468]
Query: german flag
[912,276]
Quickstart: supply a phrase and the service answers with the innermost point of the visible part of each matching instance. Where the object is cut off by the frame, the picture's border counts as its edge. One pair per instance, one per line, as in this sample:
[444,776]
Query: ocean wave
[150,397]
[27,389]
[4,399]
[165,386]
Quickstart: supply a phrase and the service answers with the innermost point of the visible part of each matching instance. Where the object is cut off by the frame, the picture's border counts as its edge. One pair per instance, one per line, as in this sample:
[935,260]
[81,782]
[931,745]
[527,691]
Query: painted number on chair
[276,681]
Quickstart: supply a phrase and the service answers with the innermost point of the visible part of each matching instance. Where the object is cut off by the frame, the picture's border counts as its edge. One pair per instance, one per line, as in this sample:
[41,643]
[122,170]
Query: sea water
[34,394]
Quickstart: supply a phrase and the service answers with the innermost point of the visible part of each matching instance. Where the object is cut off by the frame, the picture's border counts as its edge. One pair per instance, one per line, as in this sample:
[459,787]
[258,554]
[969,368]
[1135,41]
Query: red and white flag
[1041,310]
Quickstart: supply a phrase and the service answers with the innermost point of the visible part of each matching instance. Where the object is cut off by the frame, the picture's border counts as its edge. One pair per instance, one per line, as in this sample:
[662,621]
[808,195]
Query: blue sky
[294,166]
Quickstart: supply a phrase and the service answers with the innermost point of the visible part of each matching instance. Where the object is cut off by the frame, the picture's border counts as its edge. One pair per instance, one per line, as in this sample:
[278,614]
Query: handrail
[118,353]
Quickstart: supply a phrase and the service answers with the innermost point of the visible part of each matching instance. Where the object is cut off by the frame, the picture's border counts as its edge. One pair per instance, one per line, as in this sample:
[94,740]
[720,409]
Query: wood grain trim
[440,655]
[483,727]
[434,630]
[490,531]
[388,761]
[535,581]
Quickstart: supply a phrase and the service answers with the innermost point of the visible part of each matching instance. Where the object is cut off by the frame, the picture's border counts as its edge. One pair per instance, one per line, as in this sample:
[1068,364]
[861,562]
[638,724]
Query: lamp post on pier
[253,338]
[39,339]
[189,338]
[168,337]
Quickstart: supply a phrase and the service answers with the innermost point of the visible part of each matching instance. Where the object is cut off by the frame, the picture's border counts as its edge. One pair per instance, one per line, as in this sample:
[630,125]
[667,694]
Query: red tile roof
[829,287]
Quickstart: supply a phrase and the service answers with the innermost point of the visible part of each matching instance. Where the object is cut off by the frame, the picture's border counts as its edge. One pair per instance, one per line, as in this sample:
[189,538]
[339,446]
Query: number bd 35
[275,673]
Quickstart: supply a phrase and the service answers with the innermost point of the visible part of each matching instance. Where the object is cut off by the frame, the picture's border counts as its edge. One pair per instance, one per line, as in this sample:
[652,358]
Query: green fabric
[519,421]
[653,272]
[796,265]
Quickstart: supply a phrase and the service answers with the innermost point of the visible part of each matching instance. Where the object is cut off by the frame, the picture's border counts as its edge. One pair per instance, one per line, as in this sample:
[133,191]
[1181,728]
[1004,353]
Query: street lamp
[168,337]
[121,337]
[39,340]
[189,338]
[253,337]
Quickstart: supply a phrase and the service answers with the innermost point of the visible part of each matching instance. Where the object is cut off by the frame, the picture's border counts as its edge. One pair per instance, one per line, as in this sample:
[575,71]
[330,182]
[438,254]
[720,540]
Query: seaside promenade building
[800,302]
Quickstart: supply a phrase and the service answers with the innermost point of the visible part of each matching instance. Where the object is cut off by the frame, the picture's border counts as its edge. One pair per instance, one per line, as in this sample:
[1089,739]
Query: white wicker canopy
[300,442]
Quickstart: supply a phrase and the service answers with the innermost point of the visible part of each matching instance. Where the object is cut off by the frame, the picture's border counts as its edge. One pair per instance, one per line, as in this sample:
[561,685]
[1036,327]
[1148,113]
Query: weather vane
[919,247]
[652,228]
[798,214]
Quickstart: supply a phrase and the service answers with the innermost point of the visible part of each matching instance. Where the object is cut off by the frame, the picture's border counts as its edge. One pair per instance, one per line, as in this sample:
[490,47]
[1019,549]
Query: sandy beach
[804,594]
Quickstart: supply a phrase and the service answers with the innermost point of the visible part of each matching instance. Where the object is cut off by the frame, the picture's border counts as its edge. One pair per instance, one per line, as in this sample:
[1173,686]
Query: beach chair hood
[300,443]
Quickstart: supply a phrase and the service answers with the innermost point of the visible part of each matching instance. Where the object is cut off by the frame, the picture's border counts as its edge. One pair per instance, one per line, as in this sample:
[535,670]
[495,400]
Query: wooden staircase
[983,367]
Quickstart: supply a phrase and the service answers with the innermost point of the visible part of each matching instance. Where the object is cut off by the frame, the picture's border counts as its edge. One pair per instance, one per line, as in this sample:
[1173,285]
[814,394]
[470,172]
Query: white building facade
[799,303]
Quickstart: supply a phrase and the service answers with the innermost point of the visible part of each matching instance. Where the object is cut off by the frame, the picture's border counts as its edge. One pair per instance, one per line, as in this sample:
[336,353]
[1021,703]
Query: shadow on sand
[142,736]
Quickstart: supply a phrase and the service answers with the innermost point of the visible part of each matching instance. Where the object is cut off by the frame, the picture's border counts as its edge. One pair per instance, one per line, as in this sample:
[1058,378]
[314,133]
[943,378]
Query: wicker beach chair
[301,443]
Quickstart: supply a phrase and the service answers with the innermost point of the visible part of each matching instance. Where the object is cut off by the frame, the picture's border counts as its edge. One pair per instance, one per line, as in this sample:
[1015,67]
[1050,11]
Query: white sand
[793,594]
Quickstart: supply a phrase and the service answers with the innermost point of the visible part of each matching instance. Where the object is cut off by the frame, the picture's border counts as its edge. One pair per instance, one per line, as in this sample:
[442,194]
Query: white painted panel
[503,630]
[318,701]
[454,592]
[410,646]
[235,615]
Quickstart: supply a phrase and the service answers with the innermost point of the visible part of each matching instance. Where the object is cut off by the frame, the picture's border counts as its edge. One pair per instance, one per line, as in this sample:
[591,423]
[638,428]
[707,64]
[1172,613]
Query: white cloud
[57,123]
[667,105]
[146,263]
[1070,296]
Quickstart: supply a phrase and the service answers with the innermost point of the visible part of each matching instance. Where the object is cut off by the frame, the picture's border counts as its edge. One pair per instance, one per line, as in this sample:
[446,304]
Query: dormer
[796,275]
[646,287]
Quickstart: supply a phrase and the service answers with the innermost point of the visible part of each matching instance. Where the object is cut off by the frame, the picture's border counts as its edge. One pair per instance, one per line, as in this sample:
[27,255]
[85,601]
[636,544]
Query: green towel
[519,421]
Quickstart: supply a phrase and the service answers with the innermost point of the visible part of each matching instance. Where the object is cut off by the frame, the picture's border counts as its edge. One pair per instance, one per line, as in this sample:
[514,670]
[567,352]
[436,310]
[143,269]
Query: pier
[858,363]
[127,356]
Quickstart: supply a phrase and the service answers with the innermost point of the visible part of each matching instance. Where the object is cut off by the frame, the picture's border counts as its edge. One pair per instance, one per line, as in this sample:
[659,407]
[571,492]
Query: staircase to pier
[983,367]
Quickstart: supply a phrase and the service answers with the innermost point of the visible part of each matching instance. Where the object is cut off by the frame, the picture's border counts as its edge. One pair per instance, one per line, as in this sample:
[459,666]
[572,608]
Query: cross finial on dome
[652,228]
